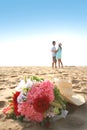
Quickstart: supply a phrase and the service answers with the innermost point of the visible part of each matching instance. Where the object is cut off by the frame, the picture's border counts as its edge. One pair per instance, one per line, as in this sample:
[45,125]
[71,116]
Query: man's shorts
[54,59]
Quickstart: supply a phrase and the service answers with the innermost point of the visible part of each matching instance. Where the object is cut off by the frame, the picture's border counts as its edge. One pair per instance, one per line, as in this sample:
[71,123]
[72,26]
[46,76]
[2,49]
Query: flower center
[41,104]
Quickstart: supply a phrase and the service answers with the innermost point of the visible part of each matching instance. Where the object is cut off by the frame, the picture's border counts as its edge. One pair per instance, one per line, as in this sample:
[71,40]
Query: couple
[56,55]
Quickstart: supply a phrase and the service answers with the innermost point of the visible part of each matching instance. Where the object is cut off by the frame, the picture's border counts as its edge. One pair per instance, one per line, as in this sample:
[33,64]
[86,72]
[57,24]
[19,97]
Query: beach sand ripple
[77,116]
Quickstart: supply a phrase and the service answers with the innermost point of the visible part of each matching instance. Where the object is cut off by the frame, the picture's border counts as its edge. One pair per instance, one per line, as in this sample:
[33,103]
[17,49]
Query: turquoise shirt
[59,53]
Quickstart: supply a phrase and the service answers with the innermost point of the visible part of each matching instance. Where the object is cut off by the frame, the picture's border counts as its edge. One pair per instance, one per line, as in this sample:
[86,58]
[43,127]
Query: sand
[77,116]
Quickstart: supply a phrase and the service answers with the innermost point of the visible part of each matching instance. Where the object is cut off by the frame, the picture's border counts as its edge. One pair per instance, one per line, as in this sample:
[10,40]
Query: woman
[59,55]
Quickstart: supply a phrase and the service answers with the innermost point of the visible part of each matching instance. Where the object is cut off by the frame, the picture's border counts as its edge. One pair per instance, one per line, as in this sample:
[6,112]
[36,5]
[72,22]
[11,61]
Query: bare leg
[55,65]
[52,64]
[61,64]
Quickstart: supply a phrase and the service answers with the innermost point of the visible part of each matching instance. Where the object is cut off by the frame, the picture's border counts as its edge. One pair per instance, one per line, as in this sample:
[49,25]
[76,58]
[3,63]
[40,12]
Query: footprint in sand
[2,88]
[2,104]
[12,87]
[65,74]
[1,116]
[75,81]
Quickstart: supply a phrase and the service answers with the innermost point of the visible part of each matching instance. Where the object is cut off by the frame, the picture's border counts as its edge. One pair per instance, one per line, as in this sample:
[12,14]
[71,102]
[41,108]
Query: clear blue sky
[43,18]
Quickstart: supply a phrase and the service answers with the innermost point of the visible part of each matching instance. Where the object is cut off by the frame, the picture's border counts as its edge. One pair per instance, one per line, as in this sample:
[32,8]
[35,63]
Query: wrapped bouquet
[37,100]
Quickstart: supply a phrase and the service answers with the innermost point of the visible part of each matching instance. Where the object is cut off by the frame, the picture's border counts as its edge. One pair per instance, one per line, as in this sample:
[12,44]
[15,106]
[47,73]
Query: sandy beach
[77,116]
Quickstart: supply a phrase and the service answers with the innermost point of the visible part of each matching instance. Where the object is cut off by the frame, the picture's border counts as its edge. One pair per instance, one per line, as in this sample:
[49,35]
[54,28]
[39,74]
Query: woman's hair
[60,45]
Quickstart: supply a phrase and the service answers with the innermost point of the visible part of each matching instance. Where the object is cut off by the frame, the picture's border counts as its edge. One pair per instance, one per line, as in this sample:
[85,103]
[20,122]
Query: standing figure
[59,55]
[53,50]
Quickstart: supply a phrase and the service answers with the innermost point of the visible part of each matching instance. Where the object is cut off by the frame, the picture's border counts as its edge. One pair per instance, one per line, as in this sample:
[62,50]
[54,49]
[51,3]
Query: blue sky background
[28,27]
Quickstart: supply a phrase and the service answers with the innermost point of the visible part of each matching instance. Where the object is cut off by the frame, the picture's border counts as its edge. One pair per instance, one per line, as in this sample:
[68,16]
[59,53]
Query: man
[53,50]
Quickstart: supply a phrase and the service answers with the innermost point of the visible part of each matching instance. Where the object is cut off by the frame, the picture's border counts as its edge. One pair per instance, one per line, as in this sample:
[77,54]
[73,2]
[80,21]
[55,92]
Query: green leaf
[59,98]
[36,78]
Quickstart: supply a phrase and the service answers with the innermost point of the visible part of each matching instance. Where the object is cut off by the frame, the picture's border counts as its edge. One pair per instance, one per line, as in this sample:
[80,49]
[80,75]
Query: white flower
[20,86]
[24,85]
[29,83]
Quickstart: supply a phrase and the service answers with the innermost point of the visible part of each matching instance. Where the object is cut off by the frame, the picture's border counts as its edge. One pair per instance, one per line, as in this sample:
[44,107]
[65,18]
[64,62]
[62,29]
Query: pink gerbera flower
[38,101]
[26,109]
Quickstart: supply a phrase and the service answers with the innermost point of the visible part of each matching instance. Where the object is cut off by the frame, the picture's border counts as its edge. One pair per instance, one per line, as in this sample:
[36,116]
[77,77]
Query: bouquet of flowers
[36,99]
